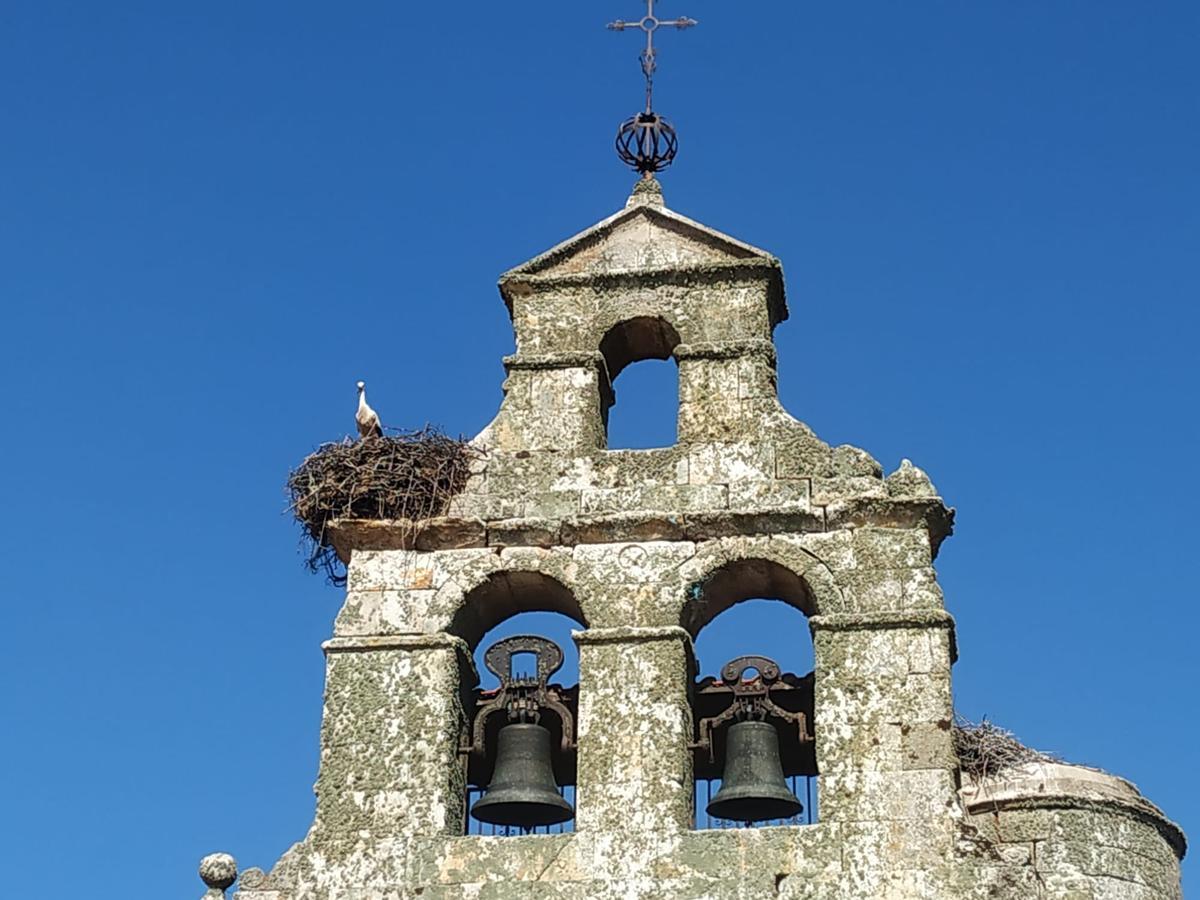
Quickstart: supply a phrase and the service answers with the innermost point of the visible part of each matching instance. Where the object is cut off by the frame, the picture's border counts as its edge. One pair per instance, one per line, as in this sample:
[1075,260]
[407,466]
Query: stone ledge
[727,350]
[442,533]
[866,621]
[705,526]
[437,640]
[680,274]
[526,532]
[929,513]
[1061,786]
[453,533]
[570,359]
[633,526]
[632,634]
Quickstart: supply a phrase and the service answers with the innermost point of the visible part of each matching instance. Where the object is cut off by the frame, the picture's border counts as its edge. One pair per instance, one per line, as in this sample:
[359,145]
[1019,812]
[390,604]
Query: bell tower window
[518,745]
[753,708]
[649,393]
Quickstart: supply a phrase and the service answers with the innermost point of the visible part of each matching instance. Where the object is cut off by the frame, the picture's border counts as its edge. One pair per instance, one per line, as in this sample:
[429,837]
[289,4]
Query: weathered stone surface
[644,548]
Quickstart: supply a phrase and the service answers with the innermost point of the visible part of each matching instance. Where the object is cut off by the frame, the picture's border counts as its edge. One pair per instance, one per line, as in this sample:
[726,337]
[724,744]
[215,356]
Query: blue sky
[214,219]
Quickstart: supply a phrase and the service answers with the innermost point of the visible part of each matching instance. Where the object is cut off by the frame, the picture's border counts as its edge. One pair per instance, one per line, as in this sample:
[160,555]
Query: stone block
[891,548]
[553,504]
[606,528]
[928,745]
[681,498]
[799,454]
[762,496]
[724,463]
[845,487]
[536,532]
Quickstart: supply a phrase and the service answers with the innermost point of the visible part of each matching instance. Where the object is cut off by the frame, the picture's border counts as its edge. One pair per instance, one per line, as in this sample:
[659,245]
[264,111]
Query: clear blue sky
[214,218]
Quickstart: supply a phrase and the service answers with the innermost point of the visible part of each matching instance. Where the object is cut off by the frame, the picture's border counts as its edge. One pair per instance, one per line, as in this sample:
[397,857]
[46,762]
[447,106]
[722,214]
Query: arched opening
[753,611]
[519,625]
[760,627]
[741,580]
[503,595]
[649,391]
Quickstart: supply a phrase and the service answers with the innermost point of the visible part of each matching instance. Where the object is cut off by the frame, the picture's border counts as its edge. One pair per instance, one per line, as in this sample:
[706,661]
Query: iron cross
[650,24]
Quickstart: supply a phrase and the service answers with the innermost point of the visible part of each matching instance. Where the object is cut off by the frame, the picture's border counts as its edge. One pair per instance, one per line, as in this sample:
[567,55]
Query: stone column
[723,388]
[554,401]
[884,718]
[635,768]
[389,737]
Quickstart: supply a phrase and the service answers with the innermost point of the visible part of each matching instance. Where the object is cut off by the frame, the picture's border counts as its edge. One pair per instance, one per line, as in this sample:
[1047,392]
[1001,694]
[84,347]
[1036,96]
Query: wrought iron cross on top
[650,24]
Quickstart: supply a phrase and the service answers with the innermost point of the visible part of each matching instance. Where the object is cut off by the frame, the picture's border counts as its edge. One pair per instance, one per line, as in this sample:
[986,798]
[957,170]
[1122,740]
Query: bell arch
[504,793]
[726,572]
[505,593]
[753,706]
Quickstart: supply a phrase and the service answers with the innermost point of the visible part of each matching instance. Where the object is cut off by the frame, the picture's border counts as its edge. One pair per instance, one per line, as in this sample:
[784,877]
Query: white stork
[366,418]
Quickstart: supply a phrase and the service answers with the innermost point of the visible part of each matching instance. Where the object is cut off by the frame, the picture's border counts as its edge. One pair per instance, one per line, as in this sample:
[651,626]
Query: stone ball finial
[218,870]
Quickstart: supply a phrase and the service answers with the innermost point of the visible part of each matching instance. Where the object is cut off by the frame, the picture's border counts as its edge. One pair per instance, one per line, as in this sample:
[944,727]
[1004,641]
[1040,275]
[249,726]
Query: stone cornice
[571,359]
[377,643]
[900,618]
[458,533]
[929,513]
[752,269]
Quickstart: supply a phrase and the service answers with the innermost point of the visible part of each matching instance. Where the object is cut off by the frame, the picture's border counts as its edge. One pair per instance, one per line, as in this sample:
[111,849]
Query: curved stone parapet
[1086,833]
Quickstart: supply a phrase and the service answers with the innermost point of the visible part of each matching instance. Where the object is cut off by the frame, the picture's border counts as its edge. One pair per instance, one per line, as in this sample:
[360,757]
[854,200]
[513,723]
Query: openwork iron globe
[647,143]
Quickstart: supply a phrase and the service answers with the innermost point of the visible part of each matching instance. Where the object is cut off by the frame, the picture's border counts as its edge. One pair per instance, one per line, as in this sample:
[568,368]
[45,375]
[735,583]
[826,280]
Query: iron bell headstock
[750,699]
[498,658]
[522,699]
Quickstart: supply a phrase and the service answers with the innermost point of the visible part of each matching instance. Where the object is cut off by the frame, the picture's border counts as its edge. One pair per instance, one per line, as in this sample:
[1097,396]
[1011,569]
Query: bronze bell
[522,790]
[752,786]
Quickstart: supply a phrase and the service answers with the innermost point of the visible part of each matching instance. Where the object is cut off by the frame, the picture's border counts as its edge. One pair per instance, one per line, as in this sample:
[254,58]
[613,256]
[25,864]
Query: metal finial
[647,142]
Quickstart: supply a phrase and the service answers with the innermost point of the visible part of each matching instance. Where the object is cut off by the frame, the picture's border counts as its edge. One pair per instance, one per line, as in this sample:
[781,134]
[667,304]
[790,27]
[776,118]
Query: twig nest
[218,870]
[408,476]
[985,749]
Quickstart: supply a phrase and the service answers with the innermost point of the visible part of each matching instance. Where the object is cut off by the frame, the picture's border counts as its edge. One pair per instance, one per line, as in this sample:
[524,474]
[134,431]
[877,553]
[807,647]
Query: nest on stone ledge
[985,749]
[407,476]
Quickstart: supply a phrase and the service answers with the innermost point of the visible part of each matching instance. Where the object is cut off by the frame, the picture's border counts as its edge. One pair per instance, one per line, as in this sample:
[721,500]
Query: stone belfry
[643,548]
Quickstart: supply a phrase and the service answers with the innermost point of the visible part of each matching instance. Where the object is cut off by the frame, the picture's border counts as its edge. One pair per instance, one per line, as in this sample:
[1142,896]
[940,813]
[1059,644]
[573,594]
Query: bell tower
[643,549]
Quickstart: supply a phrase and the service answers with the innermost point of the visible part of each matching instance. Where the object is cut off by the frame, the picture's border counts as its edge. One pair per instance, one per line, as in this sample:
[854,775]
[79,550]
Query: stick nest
[409,476]
[985,749]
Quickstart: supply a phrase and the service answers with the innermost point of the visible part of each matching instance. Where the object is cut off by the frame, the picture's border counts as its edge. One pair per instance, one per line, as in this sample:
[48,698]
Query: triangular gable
[641,237]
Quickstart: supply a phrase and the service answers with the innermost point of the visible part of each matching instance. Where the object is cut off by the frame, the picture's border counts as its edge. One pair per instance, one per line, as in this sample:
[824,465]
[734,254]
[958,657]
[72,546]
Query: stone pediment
[644,236]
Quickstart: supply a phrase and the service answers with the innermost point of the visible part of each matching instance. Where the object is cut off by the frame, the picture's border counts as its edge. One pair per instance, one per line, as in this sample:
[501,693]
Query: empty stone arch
[487,596]
[655,386]
[635,339]
[725,573]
